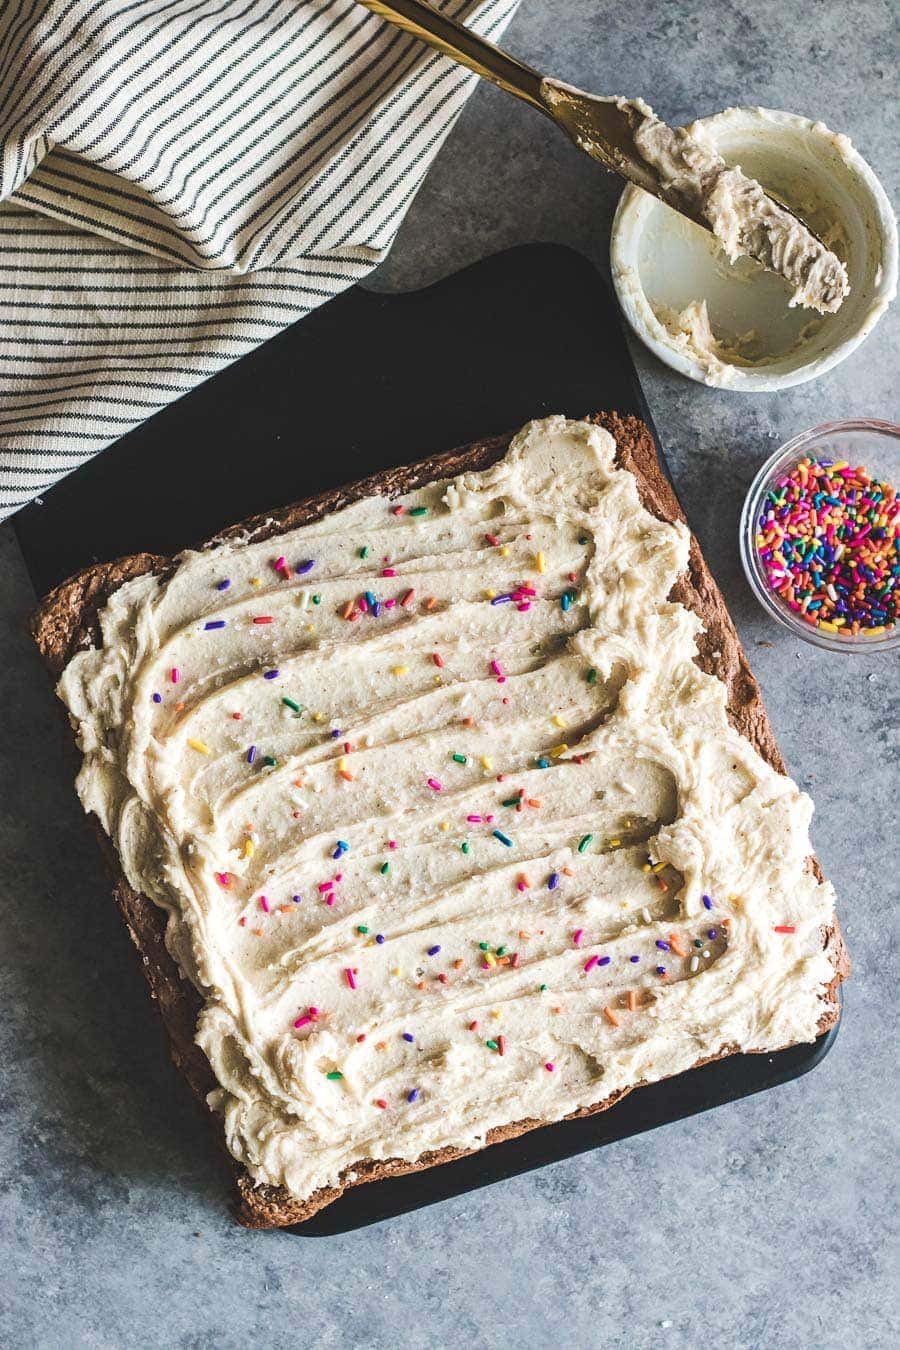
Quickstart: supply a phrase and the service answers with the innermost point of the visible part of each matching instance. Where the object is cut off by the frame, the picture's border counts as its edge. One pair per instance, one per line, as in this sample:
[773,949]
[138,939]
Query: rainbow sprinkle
[828,537]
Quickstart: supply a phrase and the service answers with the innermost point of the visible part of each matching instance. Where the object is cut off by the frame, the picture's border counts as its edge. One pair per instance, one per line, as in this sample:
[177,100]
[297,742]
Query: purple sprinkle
[707,902]
[713,933]
[304,567]
[660,970]
[433,951]
[251,754]
[335,731]
[157,698]
[379,938]
[553,882]
[223,585]
[296,899]
[501,599]
[413,1096]
[270,674]
[663,946]
[604,961]
[213,623]
[408,1036]
[634,960]
[377,609]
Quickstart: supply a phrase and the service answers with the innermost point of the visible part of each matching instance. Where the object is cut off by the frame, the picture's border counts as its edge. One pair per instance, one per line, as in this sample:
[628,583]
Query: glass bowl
[873,445]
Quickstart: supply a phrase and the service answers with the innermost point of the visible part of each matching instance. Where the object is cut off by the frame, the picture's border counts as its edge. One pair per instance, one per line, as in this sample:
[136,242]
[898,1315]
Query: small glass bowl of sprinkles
[820,535]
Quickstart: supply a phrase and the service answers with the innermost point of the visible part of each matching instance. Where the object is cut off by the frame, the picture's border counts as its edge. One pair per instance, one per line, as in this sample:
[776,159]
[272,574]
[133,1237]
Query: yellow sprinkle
[310,628]
[255,581]
[504,552]
[490,958]
[540,562]
[558,750]
[490,594]
[828,627]
[659,867]
[487,763]
[557,720]
[342,762]
[398,972]
[249,848]
[615,843]
[318,717]
[445,824]
[199,745]
[645,867]
[439,679]
[400,670]
[496,1013]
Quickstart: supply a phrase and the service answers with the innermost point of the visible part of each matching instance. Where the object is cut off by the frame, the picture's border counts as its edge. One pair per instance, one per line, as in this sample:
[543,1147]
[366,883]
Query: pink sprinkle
[176,675]
[339,876]
[329,899]
[302,1022]
[314,1013]
[437,659]
[351,978]
[363,604]
[223,878]
[389,604]
[521,886]
[590,963]
[489,820]
[325,885]
[524,608]
[388,572]
[549,1067]
[392,843]
[263,903]
[577,936]
[279,564]
[398,510]
[474,820]
[498,671]
[434,785]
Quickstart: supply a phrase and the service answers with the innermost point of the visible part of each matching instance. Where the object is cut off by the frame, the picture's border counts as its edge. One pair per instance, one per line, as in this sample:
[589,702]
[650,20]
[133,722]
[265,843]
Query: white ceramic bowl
[661,259]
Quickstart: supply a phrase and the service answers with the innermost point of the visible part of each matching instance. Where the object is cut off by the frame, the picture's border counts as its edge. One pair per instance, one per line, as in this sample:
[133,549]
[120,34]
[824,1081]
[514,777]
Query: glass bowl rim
[790,452]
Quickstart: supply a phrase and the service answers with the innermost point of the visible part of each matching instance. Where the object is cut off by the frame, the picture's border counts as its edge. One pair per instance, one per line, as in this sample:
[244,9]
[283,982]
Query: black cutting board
[366,382]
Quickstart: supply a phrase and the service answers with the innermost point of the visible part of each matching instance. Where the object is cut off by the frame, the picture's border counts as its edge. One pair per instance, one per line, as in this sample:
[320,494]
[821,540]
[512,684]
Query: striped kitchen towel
[182,179]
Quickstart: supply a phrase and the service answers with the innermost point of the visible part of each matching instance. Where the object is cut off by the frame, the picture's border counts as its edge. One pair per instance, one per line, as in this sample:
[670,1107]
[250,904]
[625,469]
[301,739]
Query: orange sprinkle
[346,775]
[534,801]
[632,1001]
[421,984]
[675,944]
[258,932]
[557,1010]
[567,872]
[430,602]
[381,1045]
[285,909]
[468,721]
[526,937]
[379,1101]
[179,707]
[611,1016]
[458,963]
[347,610]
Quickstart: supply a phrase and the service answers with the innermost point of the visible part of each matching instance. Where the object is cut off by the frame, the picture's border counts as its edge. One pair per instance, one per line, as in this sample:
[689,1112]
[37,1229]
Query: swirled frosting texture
[445,870]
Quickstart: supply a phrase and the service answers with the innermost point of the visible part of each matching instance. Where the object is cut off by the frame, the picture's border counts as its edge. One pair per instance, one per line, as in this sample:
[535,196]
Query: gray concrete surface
[769,1223]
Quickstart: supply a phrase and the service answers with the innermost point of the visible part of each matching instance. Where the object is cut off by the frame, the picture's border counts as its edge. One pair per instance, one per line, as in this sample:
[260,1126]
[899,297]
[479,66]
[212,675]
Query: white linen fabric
[182,179]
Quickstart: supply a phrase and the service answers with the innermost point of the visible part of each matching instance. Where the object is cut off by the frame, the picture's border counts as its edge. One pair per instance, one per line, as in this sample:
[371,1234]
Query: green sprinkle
[334,1075]
[584,843]
[542,988]
[289,703]
[583,539]
[501,951]
[317,599]
[485,946]
[385,868]
[511,801]
[697,942]
[492,1045]
[460,759]
[364,551]
[465,846]
[592,676]
[362,928]
[419,511]
[270,761]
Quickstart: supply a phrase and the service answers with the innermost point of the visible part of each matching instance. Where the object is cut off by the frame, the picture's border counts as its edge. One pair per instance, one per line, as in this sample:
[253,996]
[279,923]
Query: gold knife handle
[454,39]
